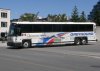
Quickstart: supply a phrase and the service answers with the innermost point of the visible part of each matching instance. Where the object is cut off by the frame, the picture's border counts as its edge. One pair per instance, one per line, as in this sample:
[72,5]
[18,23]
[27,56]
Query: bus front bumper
[14,44]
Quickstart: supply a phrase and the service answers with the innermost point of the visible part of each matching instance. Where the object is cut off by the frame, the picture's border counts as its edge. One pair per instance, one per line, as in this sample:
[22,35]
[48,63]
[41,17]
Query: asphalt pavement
[59,58]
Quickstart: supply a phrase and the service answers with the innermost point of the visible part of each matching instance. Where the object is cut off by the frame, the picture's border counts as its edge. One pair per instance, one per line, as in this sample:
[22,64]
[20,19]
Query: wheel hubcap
[25,44]
[83,41]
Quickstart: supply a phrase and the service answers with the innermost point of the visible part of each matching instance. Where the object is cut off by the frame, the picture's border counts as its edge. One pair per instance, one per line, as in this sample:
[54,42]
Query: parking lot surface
[56,58]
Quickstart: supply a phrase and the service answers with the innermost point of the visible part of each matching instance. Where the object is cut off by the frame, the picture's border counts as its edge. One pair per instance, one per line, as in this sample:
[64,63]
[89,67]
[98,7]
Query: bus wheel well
[26,43]
[80,40]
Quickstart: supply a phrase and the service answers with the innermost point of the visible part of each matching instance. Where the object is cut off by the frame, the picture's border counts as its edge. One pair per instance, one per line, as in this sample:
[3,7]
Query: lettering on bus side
[82,34]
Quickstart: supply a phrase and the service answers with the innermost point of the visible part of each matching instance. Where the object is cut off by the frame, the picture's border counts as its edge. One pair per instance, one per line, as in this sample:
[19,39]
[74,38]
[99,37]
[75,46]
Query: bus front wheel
[26,44]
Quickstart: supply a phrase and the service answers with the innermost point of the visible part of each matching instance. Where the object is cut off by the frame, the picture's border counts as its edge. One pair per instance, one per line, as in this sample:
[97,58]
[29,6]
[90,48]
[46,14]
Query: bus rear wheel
[84,41]
[26,44]
[77,41]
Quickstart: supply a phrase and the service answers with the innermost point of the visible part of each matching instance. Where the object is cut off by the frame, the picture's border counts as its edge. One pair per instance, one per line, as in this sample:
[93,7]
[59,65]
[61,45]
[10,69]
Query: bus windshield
[14,31]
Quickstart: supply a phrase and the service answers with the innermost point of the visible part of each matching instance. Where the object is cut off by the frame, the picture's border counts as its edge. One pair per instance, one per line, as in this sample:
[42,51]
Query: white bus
[27,34]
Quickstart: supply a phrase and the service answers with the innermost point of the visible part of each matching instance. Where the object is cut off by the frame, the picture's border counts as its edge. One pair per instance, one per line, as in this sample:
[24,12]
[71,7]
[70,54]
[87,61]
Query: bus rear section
[27,34]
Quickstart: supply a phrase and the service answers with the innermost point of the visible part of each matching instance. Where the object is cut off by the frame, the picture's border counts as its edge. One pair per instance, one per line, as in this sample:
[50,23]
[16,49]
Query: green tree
[96,17]
[50,18]
[57,18]
[75,15]
[83,17]
[28,17]
[63,18]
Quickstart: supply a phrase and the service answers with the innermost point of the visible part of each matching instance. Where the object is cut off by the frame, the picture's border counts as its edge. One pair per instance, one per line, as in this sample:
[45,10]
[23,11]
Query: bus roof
[54,23]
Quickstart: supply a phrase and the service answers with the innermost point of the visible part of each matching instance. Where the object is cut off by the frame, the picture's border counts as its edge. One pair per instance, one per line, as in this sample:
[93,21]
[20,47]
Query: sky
[45,7]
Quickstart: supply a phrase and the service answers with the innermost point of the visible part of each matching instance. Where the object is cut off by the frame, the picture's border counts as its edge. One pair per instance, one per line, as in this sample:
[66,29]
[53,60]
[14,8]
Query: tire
[84,41]
[77,41]
[26,44]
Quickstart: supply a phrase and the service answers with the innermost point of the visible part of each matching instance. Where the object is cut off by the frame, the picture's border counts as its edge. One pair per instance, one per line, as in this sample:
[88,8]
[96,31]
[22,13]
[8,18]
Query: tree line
[75,17]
